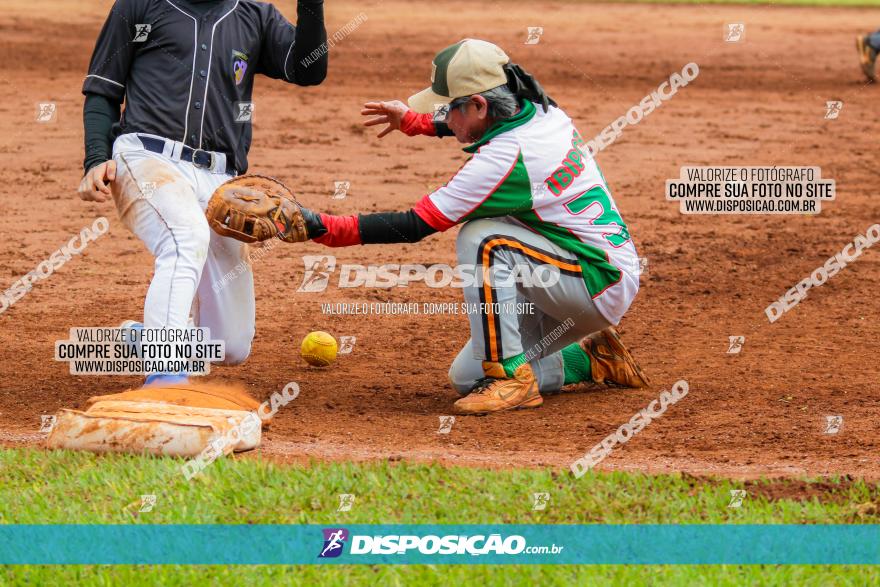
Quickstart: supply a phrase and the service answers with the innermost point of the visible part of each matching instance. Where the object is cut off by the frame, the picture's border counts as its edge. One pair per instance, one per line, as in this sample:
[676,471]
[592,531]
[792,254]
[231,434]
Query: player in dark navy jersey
[167,119]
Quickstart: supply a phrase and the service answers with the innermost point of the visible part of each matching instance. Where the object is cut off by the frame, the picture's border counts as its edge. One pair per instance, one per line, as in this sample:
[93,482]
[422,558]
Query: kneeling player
[530,195]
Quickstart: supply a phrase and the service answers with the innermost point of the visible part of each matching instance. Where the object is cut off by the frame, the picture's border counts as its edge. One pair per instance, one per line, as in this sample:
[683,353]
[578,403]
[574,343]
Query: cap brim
[425,102]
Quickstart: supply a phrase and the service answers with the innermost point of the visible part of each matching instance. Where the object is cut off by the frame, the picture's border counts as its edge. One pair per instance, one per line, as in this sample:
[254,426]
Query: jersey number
[596,204]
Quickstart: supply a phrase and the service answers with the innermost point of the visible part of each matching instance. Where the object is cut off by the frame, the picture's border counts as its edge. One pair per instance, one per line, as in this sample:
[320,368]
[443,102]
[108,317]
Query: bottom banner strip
[439,544]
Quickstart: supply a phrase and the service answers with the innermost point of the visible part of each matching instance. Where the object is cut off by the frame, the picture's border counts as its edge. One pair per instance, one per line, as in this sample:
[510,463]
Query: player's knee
[461,382]
[237,350]
[236,356]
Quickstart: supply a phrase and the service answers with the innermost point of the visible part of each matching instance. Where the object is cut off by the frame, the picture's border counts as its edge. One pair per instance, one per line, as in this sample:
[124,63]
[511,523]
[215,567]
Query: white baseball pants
[162,201]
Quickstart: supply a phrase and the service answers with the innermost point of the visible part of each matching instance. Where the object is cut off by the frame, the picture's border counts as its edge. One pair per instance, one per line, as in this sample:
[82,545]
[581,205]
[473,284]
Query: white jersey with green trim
[534,167]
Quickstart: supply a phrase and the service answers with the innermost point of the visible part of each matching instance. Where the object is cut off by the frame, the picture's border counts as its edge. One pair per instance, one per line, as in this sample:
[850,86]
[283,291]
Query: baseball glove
[255,208]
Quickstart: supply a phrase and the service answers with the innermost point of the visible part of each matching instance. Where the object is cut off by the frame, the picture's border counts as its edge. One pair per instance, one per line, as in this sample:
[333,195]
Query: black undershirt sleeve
[99,115]
[311,35]
[393,227]
[442,129]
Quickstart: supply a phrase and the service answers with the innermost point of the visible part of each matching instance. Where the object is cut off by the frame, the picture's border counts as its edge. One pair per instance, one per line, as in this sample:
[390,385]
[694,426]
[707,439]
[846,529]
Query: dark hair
[502,103]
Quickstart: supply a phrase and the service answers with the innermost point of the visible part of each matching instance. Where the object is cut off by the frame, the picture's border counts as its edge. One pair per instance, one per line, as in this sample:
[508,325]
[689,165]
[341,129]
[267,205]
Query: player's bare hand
[95,185]
[390,113]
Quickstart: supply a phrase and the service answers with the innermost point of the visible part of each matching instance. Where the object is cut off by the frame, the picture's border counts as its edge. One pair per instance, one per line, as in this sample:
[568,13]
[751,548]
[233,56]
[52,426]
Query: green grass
[446,576]
[64,487]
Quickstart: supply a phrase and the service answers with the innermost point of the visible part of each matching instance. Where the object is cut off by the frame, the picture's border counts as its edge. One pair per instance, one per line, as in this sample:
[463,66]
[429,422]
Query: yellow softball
[318,348]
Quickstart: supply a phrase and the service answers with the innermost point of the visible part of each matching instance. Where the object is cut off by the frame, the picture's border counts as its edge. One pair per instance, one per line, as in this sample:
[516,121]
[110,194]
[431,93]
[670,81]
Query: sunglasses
[441,114]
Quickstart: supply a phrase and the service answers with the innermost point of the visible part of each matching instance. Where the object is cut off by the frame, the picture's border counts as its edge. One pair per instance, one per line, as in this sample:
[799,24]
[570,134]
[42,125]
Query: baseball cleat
[610,362]
[153,379]
[165,379]
[132,325]
[497,392]
[867,56]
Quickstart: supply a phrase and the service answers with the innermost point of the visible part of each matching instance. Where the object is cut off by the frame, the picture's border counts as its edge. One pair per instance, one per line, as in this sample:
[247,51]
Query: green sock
[512,363]
[576,364]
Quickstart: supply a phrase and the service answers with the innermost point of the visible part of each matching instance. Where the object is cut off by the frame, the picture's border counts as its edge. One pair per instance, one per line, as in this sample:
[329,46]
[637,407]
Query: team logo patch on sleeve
[239,66]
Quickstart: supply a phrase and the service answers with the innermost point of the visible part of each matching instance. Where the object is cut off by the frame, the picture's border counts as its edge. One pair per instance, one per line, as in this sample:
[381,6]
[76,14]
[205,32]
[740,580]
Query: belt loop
[219,163]
[176,150]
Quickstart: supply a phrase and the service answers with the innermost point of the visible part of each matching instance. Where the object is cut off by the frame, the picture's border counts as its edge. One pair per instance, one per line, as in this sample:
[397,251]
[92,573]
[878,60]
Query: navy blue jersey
[187,72]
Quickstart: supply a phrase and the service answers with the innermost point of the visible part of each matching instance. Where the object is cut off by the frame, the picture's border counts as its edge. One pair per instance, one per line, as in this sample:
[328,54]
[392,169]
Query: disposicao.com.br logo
[430,544]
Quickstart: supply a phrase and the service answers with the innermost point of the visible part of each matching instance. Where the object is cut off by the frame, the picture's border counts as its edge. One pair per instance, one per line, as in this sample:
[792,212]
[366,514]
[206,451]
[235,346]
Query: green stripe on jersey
[512,196]
[599,273]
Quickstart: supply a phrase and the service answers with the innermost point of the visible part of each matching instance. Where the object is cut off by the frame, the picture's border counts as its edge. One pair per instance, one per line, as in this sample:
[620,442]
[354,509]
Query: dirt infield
[758,102]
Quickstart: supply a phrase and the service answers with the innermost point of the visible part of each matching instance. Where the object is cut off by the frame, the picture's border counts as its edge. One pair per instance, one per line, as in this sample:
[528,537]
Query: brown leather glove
[254,208]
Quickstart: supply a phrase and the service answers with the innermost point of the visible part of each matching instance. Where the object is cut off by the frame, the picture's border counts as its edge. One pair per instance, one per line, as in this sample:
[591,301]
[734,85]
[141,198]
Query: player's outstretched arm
[368,229]
[256,208]
[398,116]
